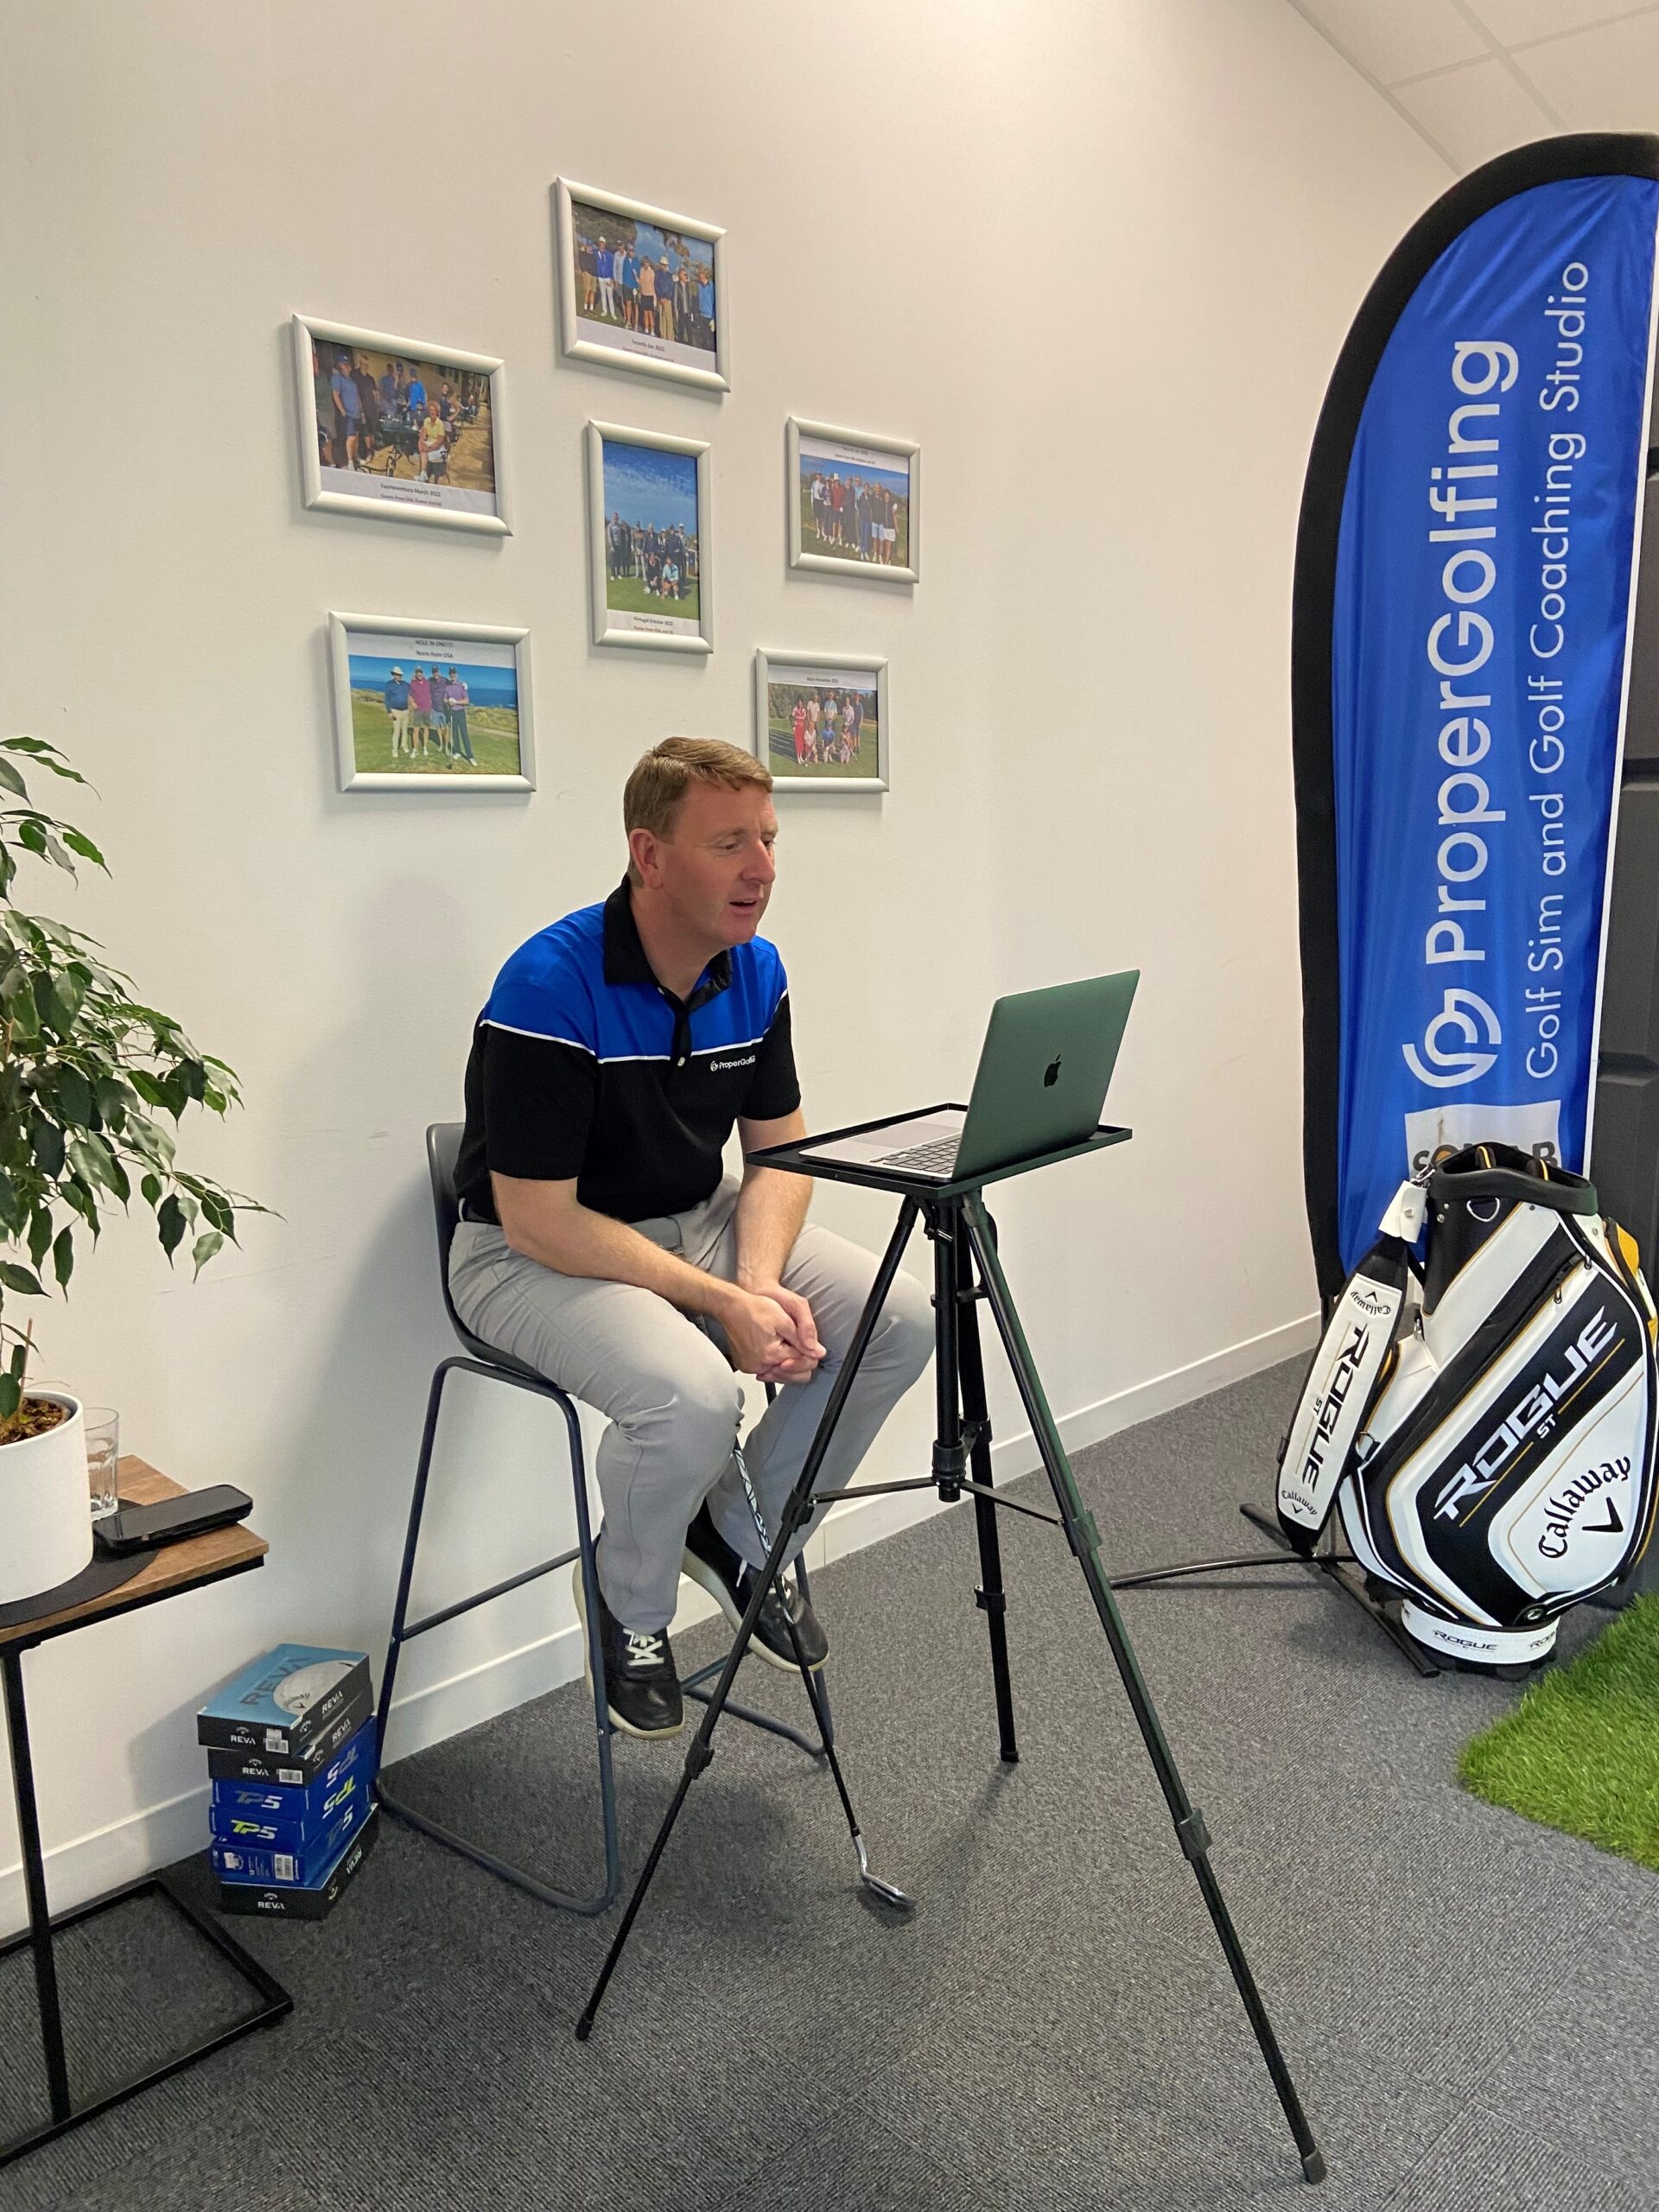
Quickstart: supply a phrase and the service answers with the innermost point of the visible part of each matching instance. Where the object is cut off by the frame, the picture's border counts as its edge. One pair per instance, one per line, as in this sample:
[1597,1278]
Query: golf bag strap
[1343,1384]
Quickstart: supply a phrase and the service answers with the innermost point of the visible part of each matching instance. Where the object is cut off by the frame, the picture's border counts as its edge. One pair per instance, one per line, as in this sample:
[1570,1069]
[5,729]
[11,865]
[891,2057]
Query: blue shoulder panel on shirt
[555,986]
[551,986]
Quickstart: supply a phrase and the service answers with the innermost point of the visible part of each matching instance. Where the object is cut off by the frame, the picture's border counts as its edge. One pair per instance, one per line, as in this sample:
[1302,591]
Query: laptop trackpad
[897,1136]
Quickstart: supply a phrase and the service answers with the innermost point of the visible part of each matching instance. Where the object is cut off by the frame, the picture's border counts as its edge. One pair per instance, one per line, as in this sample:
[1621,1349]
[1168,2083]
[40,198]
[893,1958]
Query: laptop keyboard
[936,1159]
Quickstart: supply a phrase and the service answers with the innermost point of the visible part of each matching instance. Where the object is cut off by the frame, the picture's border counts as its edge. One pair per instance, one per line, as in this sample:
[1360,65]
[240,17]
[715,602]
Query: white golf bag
[1485,1419]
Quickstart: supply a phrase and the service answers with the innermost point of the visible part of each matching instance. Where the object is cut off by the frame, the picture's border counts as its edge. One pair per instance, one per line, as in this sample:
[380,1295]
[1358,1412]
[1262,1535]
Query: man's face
[715,873]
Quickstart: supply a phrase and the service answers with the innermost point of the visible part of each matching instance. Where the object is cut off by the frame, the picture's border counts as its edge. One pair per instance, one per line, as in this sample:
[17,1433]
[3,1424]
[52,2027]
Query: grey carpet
[1465,2000]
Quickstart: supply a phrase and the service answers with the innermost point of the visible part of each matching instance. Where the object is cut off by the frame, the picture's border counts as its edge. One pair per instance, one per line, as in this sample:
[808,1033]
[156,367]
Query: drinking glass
[103,1427]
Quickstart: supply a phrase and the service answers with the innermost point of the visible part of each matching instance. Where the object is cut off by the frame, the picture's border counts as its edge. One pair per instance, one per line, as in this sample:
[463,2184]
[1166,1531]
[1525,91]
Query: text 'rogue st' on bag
[1484,1419]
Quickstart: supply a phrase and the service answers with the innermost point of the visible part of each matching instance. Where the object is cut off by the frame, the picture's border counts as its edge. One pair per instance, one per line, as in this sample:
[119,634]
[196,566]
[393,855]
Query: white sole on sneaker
[625,1727]
[699,1571]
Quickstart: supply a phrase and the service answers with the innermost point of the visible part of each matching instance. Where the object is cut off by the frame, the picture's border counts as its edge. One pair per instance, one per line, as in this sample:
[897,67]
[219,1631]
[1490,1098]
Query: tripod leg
[797,1510]
[1084,1539]
[989,1597]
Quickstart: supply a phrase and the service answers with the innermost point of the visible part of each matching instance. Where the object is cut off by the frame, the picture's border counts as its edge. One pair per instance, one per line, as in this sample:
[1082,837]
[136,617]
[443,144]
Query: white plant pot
[46,1506]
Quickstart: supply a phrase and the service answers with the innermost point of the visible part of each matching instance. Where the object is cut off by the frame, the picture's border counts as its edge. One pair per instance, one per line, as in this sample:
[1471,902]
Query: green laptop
[1044,1069]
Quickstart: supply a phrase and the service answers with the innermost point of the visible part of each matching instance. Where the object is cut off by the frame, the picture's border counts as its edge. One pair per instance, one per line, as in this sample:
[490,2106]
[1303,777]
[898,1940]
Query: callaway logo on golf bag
[1485,1424]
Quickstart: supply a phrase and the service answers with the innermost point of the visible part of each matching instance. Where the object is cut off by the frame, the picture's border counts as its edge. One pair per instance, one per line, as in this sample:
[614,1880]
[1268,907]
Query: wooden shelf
[175,1567]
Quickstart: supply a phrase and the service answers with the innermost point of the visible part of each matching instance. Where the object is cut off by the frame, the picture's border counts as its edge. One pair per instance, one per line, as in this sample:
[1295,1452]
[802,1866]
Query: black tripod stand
[966,1268]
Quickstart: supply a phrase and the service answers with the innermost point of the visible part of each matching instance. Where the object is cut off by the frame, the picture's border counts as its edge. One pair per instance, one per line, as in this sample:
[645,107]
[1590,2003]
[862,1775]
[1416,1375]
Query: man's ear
[643,849]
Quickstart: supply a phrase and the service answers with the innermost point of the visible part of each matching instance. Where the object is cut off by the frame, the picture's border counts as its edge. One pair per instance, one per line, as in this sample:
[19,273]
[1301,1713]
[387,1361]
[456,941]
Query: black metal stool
[442,1144]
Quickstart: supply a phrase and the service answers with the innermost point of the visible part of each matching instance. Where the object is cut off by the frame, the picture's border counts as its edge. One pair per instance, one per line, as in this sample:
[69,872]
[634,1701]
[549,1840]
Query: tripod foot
[584,2027]
[889,1892]
[1313,2166]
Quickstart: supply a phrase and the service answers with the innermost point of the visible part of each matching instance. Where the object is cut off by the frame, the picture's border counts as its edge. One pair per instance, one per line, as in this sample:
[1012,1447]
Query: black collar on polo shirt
[626,961]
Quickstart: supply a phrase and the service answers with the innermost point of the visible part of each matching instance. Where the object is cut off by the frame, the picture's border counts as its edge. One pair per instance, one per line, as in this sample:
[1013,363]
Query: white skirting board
[127,1848]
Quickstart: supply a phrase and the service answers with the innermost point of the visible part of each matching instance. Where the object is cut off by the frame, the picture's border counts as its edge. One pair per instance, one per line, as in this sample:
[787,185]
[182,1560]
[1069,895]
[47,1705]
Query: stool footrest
[496,1590]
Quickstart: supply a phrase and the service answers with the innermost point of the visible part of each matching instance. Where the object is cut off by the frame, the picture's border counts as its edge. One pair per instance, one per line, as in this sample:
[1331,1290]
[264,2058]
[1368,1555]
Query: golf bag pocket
[1504,1467]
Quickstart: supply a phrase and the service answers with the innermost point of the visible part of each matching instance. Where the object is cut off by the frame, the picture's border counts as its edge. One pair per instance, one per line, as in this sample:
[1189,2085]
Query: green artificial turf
[1581,1752]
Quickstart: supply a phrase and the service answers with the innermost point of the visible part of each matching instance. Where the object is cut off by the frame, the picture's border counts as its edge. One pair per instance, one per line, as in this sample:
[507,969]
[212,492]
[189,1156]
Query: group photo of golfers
[854,505]
[823,722]
[647,500]
[640,287]
[444,707]
[400,428]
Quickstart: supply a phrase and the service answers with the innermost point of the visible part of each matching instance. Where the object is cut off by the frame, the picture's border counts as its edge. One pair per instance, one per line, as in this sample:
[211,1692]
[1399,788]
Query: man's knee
[907,1327]
[698,1401]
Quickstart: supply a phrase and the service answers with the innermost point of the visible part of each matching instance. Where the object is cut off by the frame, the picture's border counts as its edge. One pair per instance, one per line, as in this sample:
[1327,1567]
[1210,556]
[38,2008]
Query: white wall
[1096,258]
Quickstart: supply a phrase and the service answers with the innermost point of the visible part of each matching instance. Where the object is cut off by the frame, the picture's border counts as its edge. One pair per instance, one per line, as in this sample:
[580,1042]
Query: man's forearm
[771,1210]
[583,1243]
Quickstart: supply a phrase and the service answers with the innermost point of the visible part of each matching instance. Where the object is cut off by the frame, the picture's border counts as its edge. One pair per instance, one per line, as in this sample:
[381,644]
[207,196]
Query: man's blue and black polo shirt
[583,1065]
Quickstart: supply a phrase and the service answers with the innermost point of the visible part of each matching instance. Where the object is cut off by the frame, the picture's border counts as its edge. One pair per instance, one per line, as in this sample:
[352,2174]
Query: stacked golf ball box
[290,1751]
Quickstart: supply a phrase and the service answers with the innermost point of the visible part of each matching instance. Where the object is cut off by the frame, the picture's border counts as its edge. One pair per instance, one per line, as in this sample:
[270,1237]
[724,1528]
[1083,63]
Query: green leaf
[112,1099]
[11,780]
[32,834]
[39,1234]
[19,1359]
[56,854]
[77,841]
[142,1081]
[54,1014]
[11,1395]
[11,1207]
[46,1145]
[204,1247]
[75,1193]
[218,1209]
[63,1256]
[169,1222]
[151,1190]
[74,1095]
[95,1164]
[21,1279]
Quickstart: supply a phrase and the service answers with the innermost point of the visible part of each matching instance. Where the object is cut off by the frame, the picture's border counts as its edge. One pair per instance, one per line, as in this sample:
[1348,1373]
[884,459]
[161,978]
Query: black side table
[163,1574]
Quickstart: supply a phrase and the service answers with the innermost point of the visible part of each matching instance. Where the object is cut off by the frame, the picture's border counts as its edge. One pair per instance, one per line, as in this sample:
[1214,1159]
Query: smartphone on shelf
[141,1528]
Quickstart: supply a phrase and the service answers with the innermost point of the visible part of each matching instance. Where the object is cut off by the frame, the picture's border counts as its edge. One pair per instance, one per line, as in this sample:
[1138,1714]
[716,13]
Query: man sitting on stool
[600,1242]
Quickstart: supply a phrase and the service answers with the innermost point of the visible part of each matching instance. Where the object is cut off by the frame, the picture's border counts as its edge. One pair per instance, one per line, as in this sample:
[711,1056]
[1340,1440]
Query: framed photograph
[393,427]
[640,288]
[648,539]
[821,720]
[430,706]
[853,499]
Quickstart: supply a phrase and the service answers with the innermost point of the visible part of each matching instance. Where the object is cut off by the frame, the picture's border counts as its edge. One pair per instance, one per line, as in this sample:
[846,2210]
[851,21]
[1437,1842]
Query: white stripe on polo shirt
[542,1036]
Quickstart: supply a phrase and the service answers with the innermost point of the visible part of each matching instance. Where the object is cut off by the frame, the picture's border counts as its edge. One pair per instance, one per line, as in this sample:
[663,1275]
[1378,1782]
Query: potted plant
[90,1080]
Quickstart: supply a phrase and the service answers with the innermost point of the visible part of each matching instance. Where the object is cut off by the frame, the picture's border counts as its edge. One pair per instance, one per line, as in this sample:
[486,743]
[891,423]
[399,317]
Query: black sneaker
[710,1562]
[642,1689]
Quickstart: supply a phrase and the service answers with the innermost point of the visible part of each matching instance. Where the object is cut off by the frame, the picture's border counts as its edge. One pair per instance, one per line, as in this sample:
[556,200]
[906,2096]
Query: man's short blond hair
[656,790]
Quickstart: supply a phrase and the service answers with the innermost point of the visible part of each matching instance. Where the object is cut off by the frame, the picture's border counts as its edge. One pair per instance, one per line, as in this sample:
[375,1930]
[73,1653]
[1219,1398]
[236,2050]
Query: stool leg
[544,1892]
[602,1728]
[411,1541]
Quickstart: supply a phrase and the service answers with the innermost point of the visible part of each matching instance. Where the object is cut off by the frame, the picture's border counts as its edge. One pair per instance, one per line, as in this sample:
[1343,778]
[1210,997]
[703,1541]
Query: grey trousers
[672,1397]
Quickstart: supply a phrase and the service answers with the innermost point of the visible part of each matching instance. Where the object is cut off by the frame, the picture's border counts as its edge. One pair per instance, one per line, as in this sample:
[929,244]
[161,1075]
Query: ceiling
[1476,77]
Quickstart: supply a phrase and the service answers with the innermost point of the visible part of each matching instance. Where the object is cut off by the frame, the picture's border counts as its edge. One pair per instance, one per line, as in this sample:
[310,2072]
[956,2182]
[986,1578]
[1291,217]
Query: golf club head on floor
[889,1892]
